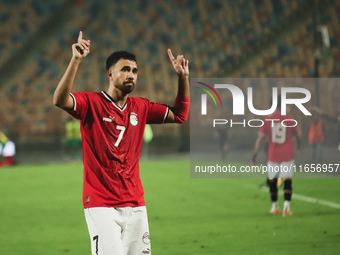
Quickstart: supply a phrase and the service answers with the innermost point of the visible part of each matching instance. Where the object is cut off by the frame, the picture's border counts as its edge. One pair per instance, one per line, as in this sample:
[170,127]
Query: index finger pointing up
[80,37]
[172,58]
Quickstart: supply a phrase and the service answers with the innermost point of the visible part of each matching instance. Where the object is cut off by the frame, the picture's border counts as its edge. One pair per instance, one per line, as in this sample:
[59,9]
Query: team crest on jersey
[133,119]
[146,238]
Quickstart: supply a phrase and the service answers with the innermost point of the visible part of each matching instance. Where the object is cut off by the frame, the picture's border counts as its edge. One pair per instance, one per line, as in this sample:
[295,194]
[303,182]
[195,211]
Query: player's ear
[109,74]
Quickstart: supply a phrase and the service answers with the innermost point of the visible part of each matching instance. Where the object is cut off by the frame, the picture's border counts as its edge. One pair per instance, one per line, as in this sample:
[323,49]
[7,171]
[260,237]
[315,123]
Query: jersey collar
[108,98]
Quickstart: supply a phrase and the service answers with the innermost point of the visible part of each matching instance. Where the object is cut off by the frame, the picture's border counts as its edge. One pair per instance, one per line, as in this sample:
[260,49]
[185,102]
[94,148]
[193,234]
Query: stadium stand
[19,21]
[220,38]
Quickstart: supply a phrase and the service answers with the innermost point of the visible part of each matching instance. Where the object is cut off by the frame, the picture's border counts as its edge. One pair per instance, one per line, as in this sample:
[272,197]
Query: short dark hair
[117,55]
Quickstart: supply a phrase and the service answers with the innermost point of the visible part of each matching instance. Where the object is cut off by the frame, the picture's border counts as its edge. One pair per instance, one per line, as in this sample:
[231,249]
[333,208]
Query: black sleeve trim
[74,102]
[166,114]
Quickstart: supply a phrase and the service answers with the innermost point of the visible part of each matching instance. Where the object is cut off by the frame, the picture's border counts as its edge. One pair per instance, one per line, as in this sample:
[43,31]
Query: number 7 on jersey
[122,130]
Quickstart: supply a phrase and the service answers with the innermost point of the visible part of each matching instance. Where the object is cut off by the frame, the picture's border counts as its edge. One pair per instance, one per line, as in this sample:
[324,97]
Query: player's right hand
[253,160]
[82,48]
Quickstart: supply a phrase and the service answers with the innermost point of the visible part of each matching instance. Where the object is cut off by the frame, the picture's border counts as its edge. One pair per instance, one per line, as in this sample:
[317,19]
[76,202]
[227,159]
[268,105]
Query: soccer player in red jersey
[112,126]
[280,130]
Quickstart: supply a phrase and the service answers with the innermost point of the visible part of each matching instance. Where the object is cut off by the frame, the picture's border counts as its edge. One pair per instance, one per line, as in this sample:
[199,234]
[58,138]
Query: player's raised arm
[180,110]
[61,97]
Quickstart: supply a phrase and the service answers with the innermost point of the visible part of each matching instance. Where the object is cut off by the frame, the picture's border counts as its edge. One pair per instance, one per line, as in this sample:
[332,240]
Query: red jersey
[315,134]
[112,141]
[280,129]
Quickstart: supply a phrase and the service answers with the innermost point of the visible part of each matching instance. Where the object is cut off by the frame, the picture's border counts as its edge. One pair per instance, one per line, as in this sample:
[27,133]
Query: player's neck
[118,96]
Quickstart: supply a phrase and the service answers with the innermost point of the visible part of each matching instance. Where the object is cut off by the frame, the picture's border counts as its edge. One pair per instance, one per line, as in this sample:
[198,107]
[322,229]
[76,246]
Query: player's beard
[126,88]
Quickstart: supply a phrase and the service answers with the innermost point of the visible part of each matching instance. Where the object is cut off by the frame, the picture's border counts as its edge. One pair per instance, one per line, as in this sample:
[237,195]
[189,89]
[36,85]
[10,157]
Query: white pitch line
[312,200]
[300,197]
[316,201]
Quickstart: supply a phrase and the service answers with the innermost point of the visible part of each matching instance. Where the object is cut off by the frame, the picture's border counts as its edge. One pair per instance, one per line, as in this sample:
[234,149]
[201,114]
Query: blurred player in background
[280,155]
[73,138]
[112,126]
[316,138]
[7,150]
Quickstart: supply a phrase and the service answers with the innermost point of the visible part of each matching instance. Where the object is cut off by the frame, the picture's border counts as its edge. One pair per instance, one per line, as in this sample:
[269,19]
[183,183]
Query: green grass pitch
[41,213]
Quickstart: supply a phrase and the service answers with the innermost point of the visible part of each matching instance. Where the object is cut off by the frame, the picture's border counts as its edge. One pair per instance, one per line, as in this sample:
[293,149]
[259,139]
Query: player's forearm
[183,86]
[257,148]
[180,110]
[61,97]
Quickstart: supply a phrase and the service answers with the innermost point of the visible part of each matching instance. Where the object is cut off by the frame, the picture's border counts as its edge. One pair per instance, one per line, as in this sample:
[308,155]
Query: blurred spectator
[7,150]
[73,138]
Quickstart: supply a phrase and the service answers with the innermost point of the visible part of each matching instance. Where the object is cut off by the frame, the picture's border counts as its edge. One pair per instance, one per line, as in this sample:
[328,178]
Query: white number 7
[122,129]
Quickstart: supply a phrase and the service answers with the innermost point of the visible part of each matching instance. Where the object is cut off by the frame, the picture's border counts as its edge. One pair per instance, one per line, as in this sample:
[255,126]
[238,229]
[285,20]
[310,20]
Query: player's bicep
[79,106]
[296,131]
[171,117]
[68,104]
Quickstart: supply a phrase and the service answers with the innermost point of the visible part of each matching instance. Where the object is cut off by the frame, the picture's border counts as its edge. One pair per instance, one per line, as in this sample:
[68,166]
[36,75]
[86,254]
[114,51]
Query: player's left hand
[82,48]
[180,64]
